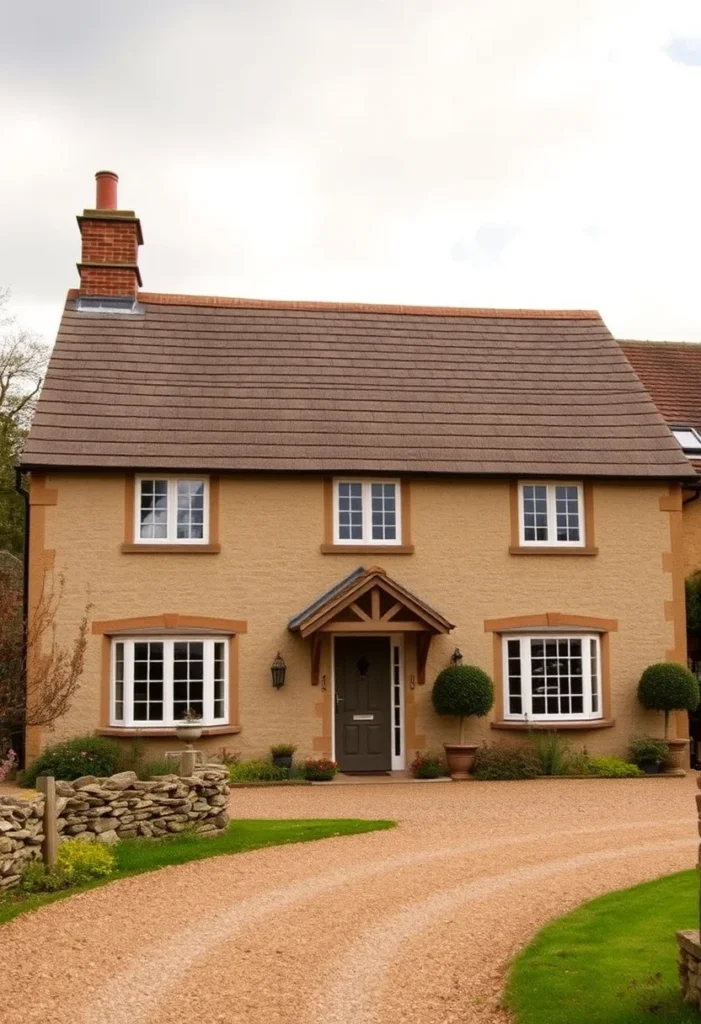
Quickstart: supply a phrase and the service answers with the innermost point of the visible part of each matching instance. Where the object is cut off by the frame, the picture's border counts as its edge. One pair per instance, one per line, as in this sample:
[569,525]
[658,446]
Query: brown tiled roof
[671,372]
[239,384]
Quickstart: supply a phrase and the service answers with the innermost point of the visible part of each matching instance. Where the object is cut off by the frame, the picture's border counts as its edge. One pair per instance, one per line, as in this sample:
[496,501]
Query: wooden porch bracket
[316,657]
[423,642]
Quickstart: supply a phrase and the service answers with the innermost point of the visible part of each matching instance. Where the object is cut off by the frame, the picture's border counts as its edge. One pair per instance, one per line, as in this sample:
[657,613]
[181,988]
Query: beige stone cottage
[361,490]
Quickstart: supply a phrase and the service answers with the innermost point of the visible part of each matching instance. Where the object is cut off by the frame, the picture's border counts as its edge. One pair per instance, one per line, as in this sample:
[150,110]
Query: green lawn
[136,855]
[612,961]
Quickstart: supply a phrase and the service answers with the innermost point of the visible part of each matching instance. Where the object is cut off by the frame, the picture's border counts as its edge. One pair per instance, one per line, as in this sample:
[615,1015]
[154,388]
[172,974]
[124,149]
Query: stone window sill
[170,549]
[212,730]
[590,723]
[367,549]
[554,550]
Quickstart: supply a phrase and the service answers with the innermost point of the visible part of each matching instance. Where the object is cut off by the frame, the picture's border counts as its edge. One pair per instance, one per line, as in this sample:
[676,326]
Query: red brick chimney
[109,265]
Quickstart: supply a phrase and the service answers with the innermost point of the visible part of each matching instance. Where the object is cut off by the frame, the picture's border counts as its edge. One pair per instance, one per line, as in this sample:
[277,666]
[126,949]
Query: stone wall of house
[108,809]
[21,836]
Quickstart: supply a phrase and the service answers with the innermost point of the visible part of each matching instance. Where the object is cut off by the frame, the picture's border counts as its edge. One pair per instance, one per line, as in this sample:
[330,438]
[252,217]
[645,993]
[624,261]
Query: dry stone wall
[108,809]
[21,836]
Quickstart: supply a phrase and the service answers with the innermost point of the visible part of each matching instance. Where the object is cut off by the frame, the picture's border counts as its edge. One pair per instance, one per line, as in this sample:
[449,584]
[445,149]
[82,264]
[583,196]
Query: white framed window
[171,510]
[551,514]
[549,677]
[367,512]
[156,679]
[689,439]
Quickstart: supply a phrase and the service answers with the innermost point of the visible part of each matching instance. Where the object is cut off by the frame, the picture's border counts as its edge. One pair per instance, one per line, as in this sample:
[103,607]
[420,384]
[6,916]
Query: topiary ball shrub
[84,755]
[506,761]
[668,687]
[463,691]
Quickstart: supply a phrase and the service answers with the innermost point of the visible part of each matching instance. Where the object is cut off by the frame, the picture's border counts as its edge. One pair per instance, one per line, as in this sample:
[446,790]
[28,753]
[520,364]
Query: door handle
[339,700]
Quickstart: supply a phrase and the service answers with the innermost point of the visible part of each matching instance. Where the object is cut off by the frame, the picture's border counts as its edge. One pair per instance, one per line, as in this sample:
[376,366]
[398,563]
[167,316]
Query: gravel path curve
[407,926]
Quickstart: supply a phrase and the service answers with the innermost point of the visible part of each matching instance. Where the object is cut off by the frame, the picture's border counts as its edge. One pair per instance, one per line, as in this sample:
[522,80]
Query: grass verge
[611,961]
[134,856]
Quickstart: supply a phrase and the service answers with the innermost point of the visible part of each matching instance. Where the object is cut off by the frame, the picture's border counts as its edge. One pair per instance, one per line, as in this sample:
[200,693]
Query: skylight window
[688,438]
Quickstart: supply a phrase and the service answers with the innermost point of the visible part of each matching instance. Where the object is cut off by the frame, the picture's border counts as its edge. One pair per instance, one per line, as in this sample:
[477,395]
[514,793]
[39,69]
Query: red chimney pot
[106,190]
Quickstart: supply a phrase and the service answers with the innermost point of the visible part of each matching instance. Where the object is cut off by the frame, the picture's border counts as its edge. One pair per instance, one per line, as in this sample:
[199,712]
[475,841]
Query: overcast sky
[458,152]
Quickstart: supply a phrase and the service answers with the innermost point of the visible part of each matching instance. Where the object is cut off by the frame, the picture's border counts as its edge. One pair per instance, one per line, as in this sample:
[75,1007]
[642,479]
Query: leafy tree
[23,360]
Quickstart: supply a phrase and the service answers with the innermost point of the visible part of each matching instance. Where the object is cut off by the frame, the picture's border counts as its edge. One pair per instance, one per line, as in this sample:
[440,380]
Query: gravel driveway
[412,925]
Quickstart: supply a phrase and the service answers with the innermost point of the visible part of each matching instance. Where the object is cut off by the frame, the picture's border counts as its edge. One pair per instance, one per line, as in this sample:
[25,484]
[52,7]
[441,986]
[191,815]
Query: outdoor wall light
[277,671]
[456,656]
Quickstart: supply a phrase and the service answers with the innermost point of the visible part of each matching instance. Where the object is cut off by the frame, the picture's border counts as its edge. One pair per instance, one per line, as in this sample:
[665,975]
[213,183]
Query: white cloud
[352,150]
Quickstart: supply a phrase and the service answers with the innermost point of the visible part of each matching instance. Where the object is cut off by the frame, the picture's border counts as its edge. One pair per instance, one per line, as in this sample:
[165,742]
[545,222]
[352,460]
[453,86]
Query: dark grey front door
[363,701]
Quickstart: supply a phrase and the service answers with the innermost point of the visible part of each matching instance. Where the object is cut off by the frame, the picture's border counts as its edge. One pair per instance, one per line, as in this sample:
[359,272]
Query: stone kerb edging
[108,809]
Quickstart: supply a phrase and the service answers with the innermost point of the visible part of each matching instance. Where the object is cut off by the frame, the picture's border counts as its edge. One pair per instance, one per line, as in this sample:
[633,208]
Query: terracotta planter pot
[460,758]
[677,755]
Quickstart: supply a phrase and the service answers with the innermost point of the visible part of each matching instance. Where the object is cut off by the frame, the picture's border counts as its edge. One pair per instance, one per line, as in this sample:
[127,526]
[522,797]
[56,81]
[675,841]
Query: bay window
[157,680]
[552,677]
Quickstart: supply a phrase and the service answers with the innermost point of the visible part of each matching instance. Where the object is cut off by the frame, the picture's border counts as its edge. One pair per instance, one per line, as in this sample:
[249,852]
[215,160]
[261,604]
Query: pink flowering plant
[8,765]
[428,766]
[319,769]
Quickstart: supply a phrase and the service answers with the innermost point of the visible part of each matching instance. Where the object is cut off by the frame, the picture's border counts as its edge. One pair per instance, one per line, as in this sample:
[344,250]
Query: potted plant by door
[282,756]
[189,728]
[648,753]
[461,691]
[667,686]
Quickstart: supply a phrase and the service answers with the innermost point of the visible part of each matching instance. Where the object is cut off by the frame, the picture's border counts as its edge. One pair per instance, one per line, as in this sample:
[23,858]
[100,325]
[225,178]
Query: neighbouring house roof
[249,385]
[671,372]
[351,589]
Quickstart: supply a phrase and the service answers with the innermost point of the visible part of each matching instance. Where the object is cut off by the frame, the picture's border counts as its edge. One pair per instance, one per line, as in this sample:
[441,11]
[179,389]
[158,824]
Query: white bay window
[157,680]
[552,677]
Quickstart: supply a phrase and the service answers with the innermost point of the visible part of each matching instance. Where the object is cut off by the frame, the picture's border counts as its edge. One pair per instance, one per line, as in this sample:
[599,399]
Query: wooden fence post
[46,784]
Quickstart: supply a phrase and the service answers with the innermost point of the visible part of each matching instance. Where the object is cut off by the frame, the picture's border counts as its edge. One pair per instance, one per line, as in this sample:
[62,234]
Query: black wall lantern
[456,656]
[277,671]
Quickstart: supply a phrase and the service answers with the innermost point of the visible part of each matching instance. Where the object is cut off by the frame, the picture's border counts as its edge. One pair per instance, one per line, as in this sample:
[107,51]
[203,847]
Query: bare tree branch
[52,669]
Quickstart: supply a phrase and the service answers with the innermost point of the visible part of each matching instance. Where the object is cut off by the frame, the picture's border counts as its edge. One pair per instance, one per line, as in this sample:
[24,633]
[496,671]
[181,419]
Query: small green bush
[319,769]
[667,686]
[84,755]
[256,771]
[154,766]
[283,749]
[645,748]
[552,751]
[37,878]
[83,862]
[506,761]
[611,768]
[77,863]
[463,691]
[428,766]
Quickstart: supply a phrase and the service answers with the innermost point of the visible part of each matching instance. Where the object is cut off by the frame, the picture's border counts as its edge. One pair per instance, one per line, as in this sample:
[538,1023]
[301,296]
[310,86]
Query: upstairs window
[367,512]
[172,510]
[552,678]
[551,514]
[689,439]
[156,679]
